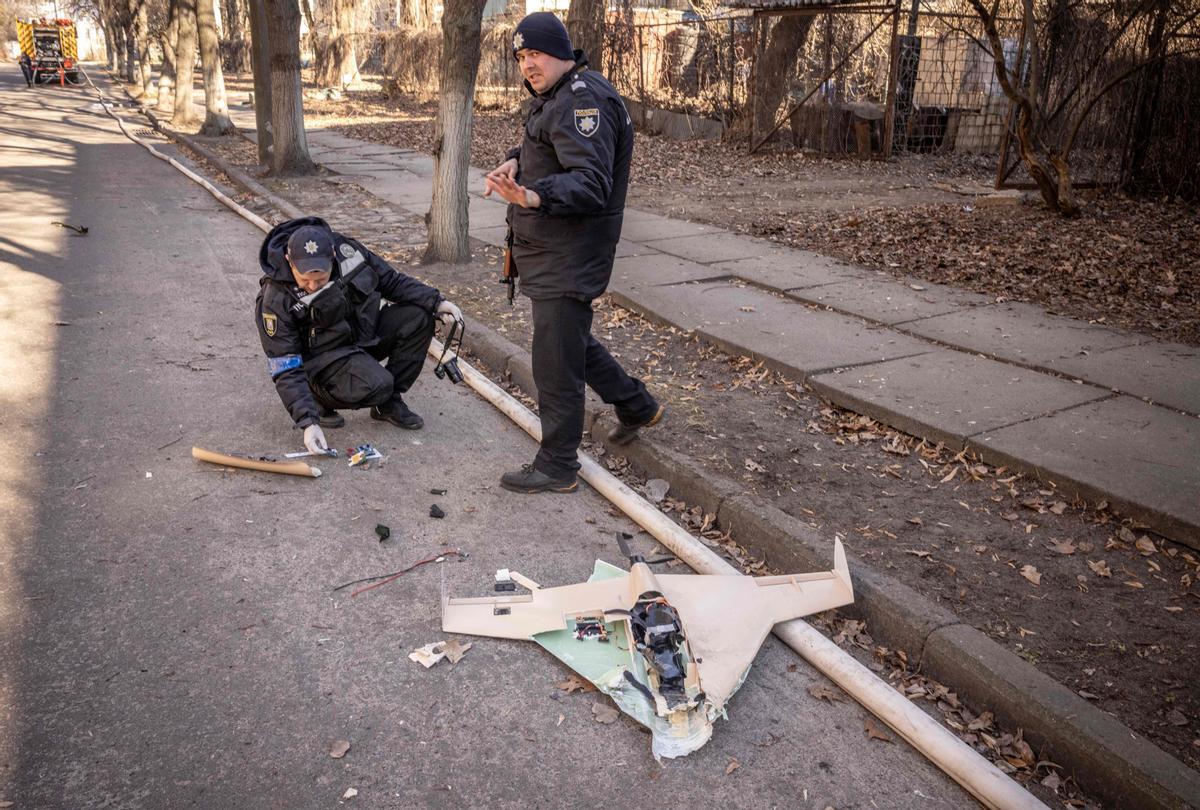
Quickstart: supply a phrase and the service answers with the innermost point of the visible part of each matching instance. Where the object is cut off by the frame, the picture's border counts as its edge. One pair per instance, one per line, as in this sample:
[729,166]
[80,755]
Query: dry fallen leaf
[560,720]
[338,748]
[754,466]
[1062,546]
[455,651]
[1176,718]
[732,766]
[576,684]
[603,713]
[1030,573]
[823,692]
[1058,507]
[1145,545]
[874,732]
[1100,567]
[916,553]
[350,793]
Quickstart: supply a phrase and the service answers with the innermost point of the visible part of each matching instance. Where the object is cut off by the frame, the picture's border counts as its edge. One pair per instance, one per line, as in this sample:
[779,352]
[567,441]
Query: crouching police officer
[566,186]
[324,332]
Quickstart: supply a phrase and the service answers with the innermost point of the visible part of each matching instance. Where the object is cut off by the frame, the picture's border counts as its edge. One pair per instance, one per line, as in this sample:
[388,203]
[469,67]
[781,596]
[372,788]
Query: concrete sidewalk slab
[888,301]
[682,306]
[649,227]
[791,338]
[399,187]
[1021,333]
[948,395]
[714,247]
[1166,373]
[633,273]
[1139,457]
[790,270]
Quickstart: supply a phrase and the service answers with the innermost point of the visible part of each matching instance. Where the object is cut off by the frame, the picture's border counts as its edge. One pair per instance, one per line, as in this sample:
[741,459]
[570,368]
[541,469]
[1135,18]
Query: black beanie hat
[542,31]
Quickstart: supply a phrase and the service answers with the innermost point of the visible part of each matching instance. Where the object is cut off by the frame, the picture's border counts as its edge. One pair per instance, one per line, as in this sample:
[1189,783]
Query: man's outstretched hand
[502,180]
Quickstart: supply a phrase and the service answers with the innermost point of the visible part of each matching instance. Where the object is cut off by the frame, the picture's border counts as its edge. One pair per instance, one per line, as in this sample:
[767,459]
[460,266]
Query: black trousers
[404,332]
[565,358]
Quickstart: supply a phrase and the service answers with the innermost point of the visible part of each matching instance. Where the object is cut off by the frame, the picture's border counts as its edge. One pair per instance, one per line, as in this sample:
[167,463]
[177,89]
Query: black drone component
[435,511]
[506,586]
[659,635]
[623,539]
[448,369]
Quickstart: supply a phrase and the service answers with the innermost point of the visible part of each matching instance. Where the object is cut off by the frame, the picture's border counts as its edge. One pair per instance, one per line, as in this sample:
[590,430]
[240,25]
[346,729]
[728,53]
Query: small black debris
[435,511]
[383,531]
[437,492]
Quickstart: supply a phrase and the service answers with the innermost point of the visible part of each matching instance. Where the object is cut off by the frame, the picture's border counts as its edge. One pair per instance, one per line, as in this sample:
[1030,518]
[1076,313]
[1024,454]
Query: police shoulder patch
[347,249]
[270,324]
[587,121]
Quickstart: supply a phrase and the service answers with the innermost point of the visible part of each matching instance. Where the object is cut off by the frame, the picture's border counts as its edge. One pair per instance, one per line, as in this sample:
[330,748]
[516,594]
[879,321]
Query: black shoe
[529,479]
[623,434]
[329,418]
[398,414]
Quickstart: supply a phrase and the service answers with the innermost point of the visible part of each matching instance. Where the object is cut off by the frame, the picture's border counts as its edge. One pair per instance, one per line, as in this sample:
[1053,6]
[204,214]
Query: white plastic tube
[959,761]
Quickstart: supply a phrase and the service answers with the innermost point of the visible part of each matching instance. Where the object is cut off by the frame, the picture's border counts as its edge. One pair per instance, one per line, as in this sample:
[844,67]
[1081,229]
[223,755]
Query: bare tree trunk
[261,61]
[145,69]
[185,63]
[131,53]
[166,79]
[236,45]
[585,24]
[448,241]
[414,14]
[289,154]
[774,66]
[216,110]
[336,60]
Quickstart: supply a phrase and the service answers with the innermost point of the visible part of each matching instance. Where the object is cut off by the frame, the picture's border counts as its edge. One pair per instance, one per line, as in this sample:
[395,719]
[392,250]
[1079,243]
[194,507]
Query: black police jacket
[575,154]
[302,334]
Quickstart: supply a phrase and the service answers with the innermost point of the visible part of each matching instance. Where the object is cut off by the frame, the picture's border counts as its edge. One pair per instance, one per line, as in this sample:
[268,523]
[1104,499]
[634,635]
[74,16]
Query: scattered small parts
[669,650]
[430,654]
[383,531]
[339,748]
[436,491]
[435,511]
[79,229]
[262,465]
[362,454]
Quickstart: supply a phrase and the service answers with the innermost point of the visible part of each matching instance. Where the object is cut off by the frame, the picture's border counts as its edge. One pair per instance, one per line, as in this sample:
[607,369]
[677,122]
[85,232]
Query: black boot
[398,414]
[530,479]
[329,418]
[624,434]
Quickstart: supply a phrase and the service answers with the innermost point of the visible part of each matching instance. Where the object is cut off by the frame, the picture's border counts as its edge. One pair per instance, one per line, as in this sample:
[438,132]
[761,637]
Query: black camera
[448,369]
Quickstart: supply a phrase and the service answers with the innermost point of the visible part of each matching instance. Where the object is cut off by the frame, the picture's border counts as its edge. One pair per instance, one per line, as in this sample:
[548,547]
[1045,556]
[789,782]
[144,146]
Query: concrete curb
[1109,760]
[1105,757]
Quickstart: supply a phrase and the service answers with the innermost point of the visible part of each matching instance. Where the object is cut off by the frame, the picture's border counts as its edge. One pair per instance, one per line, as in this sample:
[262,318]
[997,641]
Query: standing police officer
[565,186]
[319,318]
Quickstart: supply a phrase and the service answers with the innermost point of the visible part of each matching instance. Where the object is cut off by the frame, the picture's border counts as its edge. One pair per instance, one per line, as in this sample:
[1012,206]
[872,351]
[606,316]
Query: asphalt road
[168,632]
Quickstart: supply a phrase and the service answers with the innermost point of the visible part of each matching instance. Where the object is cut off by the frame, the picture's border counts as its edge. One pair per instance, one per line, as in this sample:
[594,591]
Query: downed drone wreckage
[670,650]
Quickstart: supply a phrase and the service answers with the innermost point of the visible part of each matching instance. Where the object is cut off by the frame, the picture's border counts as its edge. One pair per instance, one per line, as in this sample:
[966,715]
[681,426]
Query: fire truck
[53,50]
